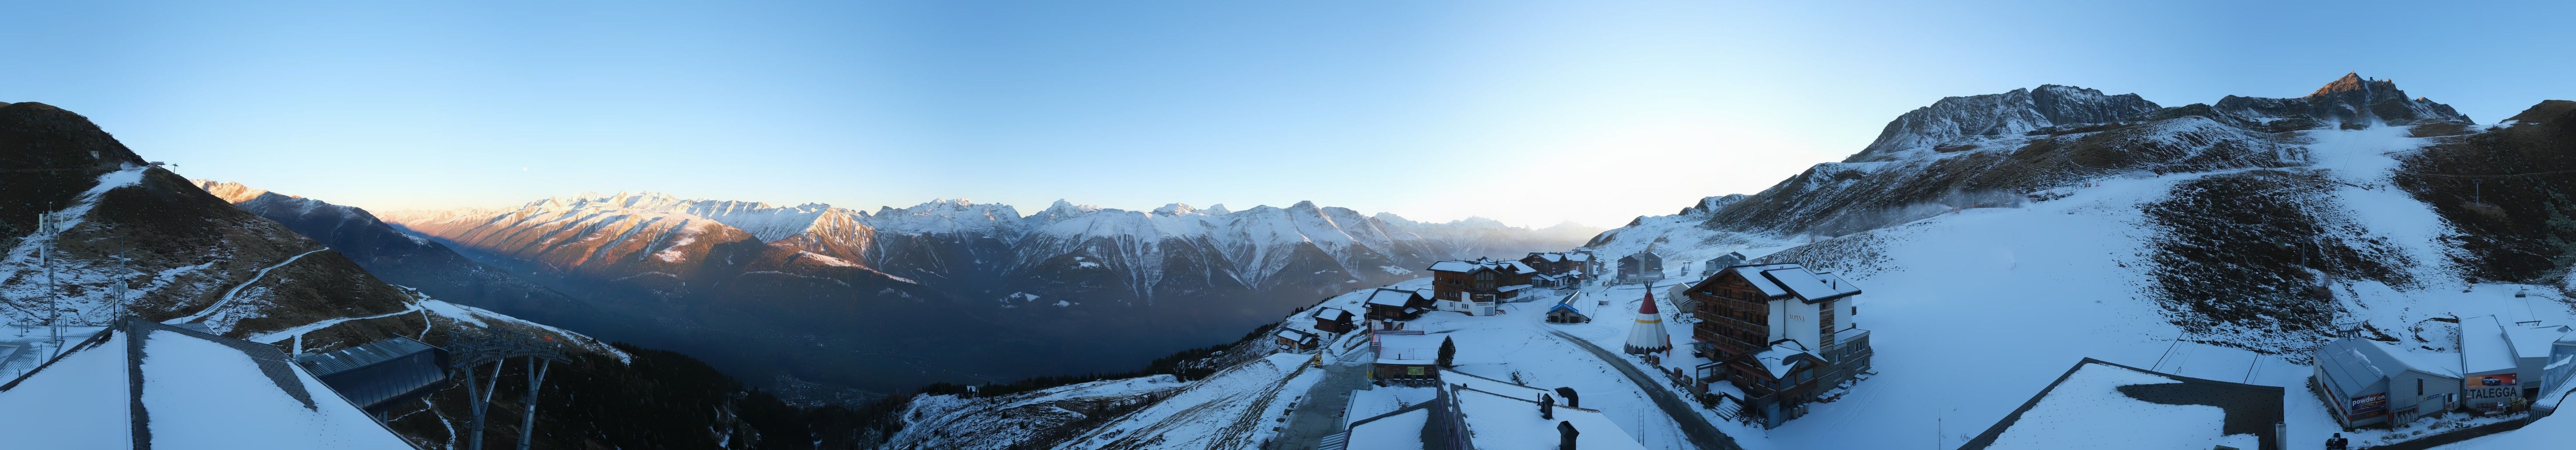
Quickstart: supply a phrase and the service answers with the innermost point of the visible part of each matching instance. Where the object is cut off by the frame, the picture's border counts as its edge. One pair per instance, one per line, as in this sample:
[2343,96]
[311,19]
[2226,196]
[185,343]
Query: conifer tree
[1448,350]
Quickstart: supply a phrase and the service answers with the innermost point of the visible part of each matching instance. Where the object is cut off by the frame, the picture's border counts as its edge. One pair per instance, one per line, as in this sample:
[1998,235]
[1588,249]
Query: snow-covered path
[281,335]
[1701,433]
[228,294]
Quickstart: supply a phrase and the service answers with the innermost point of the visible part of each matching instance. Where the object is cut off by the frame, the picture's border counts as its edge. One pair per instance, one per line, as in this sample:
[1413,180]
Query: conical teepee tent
[1648,336]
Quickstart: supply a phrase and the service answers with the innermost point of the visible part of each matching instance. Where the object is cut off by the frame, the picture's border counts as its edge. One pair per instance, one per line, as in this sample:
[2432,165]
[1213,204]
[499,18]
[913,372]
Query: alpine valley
[949,290]
[1983,244]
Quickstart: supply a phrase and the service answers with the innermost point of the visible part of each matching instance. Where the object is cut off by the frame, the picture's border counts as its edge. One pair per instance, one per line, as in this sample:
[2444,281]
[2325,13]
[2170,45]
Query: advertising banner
[2368,406]
[2496,385]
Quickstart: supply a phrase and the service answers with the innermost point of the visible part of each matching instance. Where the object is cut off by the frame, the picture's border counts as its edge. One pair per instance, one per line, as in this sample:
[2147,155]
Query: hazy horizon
[1435,111]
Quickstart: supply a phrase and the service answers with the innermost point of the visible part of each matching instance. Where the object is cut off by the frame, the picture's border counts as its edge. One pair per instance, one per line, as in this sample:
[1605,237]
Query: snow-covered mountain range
[1127,285]
[1087,253]
[2001,238]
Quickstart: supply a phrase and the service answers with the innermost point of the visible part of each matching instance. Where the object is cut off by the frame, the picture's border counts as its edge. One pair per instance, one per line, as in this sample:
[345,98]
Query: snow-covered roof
[1455,266]
[2535,341]
[1332,313]
[1409,349]
[2086,409]
[2483,346]
[198,390]
[1782,358]
[1578,257]
[1496,422]
[1391,297]
[1849,333]
[1776,280]
[1294,334]
[1506,388]
[1402,431]
[1509,265]
[2353,364]
[1550,257]
[1753,275]
[1812,286]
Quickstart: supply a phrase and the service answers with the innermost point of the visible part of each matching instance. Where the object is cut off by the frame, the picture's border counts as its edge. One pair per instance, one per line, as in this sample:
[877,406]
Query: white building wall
[1802,324]
[1779,320]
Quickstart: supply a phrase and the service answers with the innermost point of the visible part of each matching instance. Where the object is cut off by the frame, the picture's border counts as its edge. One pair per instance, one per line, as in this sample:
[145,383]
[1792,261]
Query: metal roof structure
[343,360]
[379,372]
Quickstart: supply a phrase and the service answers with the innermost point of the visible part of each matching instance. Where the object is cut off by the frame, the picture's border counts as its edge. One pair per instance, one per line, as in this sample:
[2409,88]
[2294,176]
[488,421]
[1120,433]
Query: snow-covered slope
[2185,241]
[185,254]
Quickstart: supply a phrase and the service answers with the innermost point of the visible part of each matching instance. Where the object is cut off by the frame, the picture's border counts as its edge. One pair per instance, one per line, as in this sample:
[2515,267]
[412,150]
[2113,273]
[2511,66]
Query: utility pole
[45,256]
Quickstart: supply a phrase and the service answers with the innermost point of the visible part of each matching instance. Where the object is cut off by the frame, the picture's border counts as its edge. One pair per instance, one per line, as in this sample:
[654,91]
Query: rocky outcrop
[2009,113]
[2348,102]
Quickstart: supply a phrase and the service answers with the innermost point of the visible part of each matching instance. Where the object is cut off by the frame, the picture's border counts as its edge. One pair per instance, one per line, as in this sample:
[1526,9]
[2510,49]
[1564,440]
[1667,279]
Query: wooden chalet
[1475,287]
[1721,262]
[1296,340]
[1643,266]
[1335,320]
[1396,304]
[1558,269]
[1780,332]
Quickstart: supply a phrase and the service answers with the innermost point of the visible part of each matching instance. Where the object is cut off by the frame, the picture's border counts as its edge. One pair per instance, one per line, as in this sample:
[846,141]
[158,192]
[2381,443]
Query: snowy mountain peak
[1217,209]
[1175,209]
[946,216]
[1062,207]
[229,191]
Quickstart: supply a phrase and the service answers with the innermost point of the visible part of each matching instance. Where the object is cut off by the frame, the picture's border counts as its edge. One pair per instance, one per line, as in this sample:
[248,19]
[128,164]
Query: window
[2419,386]
[1485,280]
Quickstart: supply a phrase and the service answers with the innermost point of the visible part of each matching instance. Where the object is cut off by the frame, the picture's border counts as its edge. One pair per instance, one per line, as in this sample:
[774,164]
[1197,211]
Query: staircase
[1337,441]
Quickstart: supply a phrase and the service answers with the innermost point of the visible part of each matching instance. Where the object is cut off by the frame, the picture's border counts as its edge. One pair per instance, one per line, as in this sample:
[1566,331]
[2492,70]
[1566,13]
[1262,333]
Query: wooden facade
[1735,316]
[1476,281]
[1335,320]
[1396,304]
[1295,340]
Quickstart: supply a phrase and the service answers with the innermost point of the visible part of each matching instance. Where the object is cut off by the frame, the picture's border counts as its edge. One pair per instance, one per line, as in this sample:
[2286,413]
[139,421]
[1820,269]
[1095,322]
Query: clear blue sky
[1430,109]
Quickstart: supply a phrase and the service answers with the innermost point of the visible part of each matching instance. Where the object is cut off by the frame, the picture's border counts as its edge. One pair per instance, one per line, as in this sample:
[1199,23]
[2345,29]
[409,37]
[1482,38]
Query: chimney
[1565,434]
[1571,400]
[1546,407]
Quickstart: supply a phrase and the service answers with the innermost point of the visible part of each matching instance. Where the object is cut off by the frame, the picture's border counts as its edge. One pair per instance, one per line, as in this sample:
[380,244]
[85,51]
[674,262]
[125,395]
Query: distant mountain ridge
[762,282]
[399,258]
[1249,247]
